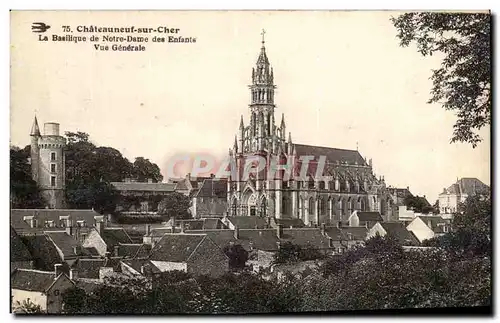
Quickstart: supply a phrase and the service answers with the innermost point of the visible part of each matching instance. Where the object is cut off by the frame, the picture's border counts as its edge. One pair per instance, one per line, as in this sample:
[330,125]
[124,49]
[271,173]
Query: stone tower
[47,163]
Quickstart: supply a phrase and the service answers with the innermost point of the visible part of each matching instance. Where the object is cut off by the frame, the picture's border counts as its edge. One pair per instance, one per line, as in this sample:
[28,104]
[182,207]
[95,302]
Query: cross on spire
[263,33]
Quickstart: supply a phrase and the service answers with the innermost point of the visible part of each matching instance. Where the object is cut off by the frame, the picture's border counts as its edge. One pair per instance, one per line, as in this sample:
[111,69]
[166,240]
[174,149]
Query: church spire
[35,130]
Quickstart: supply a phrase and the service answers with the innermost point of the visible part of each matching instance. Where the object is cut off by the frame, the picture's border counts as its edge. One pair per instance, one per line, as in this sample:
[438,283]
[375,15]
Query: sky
[343,81]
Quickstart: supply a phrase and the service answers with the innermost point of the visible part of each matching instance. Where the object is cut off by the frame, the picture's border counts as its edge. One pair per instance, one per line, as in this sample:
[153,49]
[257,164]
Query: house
[245,222]
[428,227]
[396,230]
[106,239]
[189,185]
[20,256]
[141,197]
[315,238]
[261,244]
[397,199]
[457,193]
[55,247]
[76,222]
[364,219]
[44,288]
[192,253]
[92,268]
[210,200]
[139,268]
[344,238]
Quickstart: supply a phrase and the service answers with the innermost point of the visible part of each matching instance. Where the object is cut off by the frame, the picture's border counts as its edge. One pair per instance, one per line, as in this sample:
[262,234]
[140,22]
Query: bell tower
[262,125]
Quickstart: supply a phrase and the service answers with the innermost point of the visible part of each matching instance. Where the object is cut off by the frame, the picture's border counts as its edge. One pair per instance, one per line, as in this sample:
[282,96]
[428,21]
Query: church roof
[333,155]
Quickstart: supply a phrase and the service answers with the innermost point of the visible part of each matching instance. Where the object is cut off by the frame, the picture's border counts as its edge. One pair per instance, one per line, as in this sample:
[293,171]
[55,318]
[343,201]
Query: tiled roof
[369,216]
[306,237]
[287,223]
[18,250]
[32,280]
[213,223]
[212,188]
[357,233]
[469,186]
[44,251]
[143,187]
[138,264]
[260,239]
[176,247]
[248,222]
[435,223]
[399,231]
[42,215]
[88,285]
[332,154]
[133,250]
[89,268]
[115,236]
[347,233]
[67,244]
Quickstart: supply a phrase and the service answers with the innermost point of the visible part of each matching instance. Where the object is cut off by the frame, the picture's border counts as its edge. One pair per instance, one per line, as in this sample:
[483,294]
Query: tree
[175,205]
[26,307]
[237,255]
[24,191]
[143,170]
[418,204]
[463,82]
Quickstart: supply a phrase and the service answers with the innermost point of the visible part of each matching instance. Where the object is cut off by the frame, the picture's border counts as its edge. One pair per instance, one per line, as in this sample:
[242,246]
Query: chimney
[107,254]
[99,226]
[188,176]
[172,220]
[75,250]
[116,250]
[58,270]
[323,229]
[182,226]
[330,242]
[236,232]
[32,222]
[73,273]
[69,230]
[339,224]
[279,231]
[148,229]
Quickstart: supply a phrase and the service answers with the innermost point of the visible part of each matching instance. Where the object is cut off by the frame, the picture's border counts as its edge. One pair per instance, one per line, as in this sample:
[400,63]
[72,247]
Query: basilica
[351,183]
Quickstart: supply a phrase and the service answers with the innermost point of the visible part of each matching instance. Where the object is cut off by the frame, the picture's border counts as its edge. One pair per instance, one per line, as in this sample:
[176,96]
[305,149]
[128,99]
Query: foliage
[26,307]
[418,204]
[470,236]
[24,192]
[90,169]
[175,205]
[237,255]
[463,82]
[143,170]
[290,253]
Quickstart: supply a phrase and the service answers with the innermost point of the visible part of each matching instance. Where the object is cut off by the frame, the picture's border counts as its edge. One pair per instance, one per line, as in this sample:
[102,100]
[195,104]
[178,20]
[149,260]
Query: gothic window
[322,206]
[321,185]
[284,205]
[301,208]
[263,207]
[233,207]
[311,206]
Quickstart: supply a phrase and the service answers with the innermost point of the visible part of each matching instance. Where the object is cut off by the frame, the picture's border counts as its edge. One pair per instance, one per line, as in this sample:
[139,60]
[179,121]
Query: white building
[457,193]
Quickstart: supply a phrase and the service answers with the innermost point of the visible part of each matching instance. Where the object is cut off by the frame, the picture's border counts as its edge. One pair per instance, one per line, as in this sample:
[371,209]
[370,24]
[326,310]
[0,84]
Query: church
[351,183]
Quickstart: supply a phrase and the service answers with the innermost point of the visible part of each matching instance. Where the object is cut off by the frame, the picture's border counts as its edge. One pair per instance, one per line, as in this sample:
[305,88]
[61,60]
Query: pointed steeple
[35,130]
[235,144]
[290,137]
[263,57]
[282,120]
[241,123]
